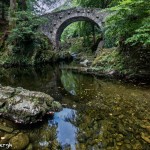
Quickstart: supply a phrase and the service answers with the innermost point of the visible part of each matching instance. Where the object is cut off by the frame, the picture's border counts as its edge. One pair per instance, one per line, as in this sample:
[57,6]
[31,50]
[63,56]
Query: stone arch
[58,21]
[67,22]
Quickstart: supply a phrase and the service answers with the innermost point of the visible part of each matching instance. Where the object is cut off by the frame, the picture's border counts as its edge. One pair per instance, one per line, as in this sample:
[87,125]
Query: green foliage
[25,44]
[25,32]
[129,27]
[70,31]
[85,29]
[130,22]
[40,53]
[96,3]
[142,35]
[109,60]
[80,29]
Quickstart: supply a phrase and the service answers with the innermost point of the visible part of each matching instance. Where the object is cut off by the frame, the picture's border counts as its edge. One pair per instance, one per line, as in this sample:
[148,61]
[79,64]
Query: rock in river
[19,141]
[24,106]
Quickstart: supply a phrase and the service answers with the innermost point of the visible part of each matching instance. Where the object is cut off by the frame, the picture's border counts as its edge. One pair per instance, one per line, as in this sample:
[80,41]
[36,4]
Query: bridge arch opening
[68,22]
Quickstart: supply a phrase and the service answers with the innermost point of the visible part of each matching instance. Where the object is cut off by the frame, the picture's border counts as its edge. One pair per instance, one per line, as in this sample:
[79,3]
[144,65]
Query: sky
[44,7]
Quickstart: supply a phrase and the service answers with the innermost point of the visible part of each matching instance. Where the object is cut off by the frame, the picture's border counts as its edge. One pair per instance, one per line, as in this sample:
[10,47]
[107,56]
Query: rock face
[24,106]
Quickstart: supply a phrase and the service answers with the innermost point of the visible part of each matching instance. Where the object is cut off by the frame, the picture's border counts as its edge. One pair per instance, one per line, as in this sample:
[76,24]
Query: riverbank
[49,57]
[23,51]
[141,79]
[34,57]
[110,64]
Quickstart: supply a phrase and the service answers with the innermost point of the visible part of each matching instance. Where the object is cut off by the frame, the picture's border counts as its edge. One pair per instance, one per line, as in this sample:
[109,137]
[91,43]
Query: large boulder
[24,106]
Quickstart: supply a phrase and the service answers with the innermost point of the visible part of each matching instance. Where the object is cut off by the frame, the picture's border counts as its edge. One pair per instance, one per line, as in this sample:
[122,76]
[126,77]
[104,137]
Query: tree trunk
[93,30]
[22,5]
[3,11]
[13,7]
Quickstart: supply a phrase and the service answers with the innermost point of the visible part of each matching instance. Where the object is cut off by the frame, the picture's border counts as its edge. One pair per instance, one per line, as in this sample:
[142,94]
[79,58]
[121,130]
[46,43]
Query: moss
[39,52]
[112,60]
[19,141]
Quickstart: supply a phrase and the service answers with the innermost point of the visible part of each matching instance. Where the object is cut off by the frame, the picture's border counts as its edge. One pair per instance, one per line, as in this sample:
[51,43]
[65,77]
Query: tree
[22,4]
[97,4]
[16,5]
[85,28]
[4,9]
[25,32]
[130,22]
[129,25]
[13,8]
[13,4]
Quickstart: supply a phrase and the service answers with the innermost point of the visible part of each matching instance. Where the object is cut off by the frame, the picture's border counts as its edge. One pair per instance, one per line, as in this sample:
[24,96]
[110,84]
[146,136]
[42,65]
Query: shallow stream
[97,115]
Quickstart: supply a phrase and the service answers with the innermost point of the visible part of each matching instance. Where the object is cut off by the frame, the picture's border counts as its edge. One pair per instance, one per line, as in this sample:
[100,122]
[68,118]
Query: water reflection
[80,86]
[66,131]
[99,115]
[44,79]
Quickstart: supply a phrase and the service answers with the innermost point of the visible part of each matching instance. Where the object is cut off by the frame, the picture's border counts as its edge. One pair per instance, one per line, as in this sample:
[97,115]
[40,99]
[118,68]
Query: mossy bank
[43,54]
[109,63]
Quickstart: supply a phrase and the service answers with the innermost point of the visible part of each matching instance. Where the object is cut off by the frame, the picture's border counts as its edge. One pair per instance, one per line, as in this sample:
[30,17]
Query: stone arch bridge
[58,21]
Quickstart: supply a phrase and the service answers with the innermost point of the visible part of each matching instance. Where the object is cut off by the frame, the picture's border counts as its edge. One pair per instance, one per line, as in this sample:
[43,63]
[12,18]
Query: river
[98,114]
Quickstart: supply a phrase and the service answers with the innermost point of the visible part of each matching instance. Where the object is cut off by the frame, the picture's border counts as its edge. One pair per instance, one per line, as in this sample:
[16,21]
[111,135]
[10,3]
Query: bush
[129,27]
[130,23]
[25,35]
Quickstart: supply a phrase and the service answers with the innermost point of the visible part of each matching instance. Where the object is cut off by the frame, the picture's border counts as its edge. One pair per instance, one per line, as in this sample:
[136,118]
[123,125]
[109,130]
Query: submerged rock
[24,106]
[30,147]
[6,129]
[19,142]
[5,139]
[145,137]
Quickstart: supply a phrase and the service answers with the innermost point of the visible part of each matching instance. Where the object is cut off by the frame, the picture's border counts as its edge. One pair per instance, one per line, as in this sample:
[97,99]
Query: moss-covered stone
[5,139]
[30,147]
[19,142]
[5,128]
